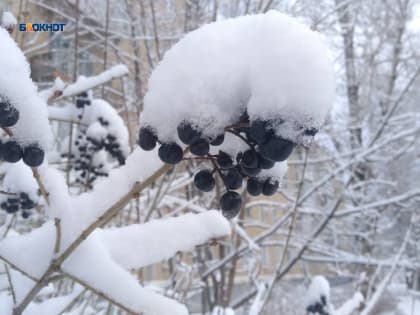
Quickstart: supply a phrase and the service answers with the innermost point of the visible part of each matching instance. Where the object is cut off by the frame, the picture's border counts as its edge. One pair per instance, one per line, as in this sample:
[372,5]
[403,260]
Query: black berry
[233,179]
[25,214]
[265,163]
[170,153]
[9,118]
[277,149]
[147,139]
[218,140]
[224,160]
[230,204]
[270,187]
[204,180]
[249,159]
[187,134]
[12,152]
[33,155]
[257,131]
[200,147]
[254,186]
[310,131]
[250,171]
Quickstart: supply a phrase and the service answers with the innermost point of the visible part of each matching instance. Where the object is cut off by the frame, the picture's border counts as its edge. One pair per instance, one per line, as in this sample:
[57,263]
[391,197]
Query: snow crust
[17,86]
[269,64]
[152,242]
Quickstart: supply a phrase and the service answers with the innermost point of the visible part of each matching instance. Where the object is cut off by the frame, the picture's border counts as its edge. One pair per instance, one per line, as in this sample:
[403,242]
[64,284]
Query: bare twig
[9,279]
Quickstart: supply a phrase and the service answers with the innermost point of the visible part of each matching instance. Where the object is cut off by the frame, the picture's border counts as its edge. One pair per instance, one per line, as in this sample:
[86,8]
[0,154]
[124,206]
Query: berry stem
[8,131]
[240,125]
[199,158]
[220,173]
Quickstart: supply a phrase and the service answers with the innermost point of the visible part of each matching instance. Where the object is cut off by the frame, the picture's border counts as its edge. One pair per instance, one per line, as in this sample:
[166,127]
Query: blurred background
[348,208]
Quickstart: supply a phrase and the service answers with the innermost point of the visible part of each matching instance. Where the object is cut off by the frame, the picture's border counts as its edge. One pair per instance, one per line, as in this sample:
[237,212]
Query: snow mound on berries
[100,109]
[17,86]
[13,183]
[319,287]
[268,64]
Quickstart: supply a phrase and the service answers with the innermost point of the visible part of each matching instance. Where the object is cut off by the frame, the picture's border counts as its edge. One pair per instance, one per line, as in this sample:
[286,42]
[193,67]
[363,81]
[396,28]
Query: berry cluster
[88,162]
[11,151]
[264,149]
[319,307]
[18,202]
[82,100]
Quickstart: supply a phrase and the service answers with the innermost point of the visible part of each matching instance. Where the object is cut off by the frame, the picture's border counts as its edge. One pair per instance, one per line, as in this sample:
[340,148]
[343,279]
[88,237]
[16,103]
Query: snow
[8,19]
[277,172]
[258,301]
[351,305]
[86,83]
[90,115]
[30,252]
[53,305]
[21,284]
[90,205]
[6,304]
[18,88]
[319,287]
[102,109]
[13,183]
[152,242]
[92,263]
[219,310]
[408,306]
[269,64]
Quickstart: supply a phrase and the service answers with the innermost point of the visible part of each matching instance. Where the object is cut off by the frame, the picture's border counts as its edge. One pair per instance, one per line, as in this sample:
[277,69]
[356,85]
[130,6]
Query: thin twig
[9,279]
[57,224]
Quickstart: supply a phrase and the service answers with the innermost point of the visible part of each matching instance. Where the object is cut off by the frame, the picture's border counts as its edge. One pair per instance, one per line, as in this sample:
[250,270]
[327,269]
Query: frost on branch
[257,88]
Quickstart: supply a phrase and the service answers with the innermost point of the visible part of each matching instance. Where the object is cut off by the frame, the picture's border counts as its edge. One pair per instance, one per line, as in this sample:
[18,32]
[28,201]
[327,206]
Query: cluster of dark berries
[265,148]
[88,170]
[9,115]
[11,151]
[21,201]
[319,307]
[82,100]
